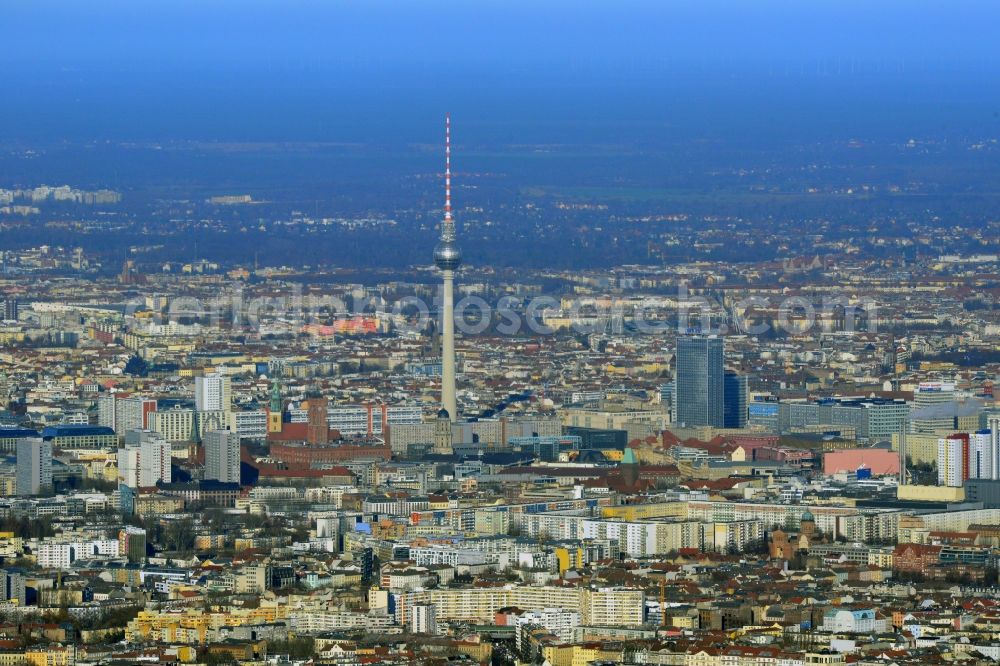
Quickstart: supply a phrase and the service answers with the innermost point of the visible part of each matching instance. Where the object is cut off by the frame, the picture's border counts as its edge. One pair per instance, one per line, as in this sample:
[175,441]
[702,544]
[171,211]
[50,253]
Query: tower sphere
[447,257]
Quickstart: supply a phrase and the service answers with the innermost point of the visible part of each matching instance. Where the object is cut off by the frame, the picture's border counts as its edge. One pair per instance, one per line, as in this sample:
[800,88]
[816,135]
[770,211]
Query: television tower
[448,258]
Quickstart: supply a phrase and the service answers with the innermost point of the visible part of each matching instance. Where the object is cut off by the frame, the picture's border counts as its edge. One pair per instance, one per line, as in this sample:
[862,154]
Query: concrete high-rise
[699,381]
[448,258]
[423,619]
[983,456]
[213,393]
[34,466]
[222,456]
[964,456]
[12,587]
[953,460]
[145,459]
[122,413]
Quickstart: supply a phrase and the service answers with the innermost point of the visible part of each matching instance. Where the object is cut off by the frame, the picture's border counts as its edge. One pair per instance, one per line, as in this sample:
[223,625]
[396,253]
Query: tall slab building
[700,381]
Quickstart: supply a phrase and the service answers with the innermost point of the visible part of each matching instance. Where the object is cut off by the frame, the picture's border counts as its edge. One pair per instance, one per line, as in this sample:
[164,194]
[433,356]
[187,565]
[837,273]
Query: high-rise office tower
[222,456]
[145,459]
[369,563]
[699,381]
[34,466]
[932,410]
[213,393]
[448,258]
[734,406]
[667,399]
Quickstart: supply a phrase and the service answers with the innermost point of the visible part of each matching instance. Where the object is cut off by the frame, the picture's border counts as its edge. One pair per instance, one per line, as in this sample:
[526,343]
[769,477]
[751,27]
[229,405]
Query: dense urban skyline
[677,344]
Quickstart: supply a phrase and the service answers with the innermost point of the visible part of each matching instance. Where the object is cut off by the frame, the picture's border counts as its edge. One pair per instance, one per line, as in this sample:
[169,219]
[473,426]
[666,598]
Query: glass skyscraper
[734,407]
[700,380]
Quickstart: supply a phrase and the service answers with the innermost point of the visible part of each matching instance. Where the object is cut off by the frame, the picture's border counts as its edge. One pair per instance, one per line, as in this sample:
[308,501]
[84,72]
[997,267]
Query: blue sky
[156,33]
[66,65]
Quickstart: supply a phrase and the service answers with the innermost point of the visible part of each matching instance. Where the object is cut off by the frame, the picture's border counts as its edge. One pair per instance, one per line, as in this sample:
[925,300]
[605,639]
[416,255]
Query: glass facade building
[734,407]
[699,382]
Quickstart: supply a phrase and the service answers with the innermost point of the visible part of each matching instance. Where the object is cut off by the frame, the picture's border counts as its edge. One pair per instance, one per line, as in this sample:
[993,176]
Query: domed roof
[443,414]
[808,517]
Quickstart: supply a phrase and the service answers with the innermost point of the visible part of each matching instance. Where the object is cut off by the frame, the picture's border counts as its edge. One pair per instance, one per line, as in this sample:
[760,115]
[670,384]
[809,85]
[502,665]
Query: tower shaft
[448,400]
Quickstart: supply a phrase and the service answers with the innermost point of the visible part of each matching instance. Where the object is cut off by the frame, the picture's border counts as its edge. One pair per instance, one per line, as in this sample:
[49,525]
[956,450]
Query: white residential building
[145,459]
[213,393]
[248,424]
[181,425]
[61,555]
[561,622]
[124,413]
[423,619]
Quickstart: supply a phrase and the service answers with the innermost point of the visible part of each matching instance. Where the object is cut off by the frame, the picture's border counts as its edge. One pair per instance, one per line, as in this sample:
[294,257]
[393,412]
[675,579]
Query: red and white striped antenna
[448,226]
[447,166]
